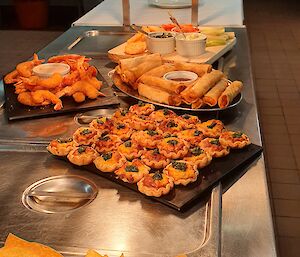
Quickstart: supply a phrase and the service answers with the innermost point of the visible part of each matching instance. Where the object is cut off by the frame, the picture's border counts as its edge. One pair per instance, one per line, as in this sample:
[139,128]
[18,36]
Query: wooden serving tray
[212,54]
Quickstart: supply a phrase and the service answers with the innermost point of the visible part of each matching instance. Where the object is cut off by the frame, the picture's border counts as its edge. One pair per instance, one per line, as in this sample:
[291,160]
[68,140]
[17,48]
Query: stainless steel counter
[119,220]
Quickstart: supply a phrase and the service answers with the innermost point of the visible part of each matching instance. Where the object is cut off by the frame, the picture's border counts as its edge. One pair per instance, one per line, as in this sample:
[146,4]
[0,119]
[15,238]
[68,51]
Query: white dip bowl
[191,46]
[161,42]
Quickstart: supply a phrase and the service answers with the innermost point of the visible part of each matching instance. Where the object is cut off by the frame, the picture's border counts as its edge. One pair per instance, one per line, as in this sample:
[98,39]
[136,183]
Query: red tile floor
[274,35]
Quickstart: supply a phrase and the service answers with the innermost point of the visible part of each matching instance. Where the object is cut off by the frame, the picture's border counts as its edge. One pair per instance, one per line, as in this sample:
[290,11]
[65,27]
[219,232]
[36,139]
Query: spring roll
[198,104]
[199,69]
[212,96]
[158,95]
[230,93]
[204,84]
[130,63]
[160,70]
[166,85]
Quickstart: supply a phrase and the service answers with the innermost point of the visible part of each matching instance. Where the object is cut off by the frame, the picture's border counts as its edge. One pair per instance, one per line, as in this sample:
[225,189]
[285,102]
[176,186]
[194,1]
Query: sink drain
[59,194]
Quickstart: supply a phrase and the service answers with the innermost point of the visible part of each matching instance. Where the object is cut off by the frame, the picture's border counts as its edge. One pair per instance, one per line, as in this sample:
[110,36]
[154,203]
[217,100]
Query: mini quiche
[214,147]
[132,172]
[101,124]
[60,147]
[161,115]
[170,126]
[142,108]
[85,136]
[131,149]
[107,143]
[147,138]
[82,155]
[121,115]
[173,147]
[211,128]
[109,161]
[154,159]
[122,130]
[189,121]
[234,139]
[198,157]
[182,172]
[140,122]
[193,136]
[155,184]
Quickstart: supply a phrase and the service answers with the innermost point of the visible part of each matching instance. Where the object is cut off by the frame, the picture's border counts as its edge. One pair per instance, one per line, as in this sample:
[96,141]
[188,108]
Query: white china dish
[46,70]
[162,45]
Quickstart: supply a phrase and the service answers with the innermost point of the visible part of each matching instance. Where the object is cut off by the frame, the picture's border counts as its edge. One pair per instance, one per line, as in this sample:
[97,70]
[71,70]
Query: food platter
[15,110]
[124,88]
[184,197]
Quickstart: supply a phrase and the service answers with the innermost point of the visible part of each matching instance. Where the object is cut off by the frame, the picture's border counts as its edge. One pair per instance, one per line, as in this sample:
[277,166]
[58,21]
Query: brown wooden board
[183,197]
[16,111]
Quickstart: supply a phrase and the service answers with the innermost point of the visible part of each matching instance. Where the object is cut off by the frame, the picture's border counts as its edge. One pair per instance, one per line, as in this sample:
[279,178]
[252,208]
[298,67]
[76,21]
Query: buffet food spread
[156,149]
[147,76]
[38,84]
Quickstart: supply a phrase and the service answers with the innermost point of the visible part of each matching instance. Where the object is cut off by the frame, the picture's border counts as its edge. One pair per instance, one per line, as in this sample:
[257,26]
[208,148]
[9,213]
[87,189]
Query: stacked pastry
[145,75]
[154,148]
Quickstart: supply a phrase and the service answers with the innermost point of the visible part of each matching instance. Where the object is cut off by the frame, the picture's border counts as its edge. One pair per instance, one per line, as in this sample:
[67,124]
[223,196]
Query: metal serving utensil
[173,19]
[137,29]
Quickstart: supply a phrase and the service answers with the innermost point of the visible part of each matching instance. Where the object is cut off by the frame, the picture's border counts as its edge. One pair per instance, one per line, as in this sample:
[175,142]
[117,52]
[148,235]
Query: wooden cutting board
[211,54]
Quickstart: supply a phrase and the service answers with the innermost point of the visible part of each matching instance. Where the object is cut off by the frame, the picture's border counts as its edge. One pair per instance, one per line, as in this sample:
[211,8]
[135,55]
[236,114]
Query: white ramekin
[191,76]
[192,47]
[160,45]
[48,69]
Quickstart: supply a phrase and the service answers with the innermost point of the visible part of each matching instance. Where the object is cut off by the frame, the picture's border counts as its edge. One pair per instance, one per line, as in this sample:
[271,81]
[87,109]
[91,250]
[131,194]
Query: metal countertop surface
[118,218]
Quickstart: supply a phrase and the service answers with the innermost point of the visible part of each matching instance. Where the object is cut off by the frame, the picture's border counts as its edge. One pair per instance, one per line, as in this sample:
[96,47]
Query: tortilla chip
[16,252]
[40,250]
[92,253]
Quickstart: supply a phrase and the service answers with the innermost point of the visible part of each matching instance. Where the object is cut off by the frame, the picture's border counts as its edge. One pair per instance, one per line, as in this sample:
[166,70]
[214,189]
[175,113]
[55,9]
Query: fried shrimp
[78,97]
[25,68]
[27,99]
[11,77]
[80,86]
[41,96]
[52,82]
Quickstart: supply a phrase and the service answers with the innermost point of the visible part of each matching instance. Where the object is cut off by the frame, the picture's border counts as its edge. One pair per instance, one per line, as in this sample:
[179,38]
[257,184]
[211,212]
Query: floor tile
[284,176]
[286,191]
[287,226]
[287,208]
[289,246]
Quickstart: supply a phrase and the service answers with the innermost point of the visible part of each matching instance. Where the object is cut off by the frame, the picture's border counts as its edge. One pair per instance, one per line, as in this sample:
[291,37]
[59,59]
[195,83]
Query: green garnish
[179,165]
[81,149]
[121,126]
[197,133]
[131,168]
[172,124]
[85,132]
[215,142]
[127,144]
[104,138]
[107,156]
[123,112]
[212,125]
[196,151]
[157,176]
[140,103]
[152,132]
[170,135]
[237,134]
[166,111]
[155,151]
[100,122]
[172,142]
[186,116]
[63,141]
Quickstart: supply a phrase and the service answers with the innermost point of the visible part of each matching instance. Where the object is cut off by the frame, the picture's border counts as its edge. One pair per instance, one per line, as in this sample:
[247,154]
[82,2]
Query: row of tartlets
[154,148]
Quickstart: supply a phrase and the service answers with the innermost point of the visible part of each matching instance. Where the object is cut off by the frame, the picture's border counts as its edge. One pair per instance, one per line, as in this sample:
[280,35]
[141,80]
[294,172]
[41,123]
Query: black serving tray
[16,111]
[183,197]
